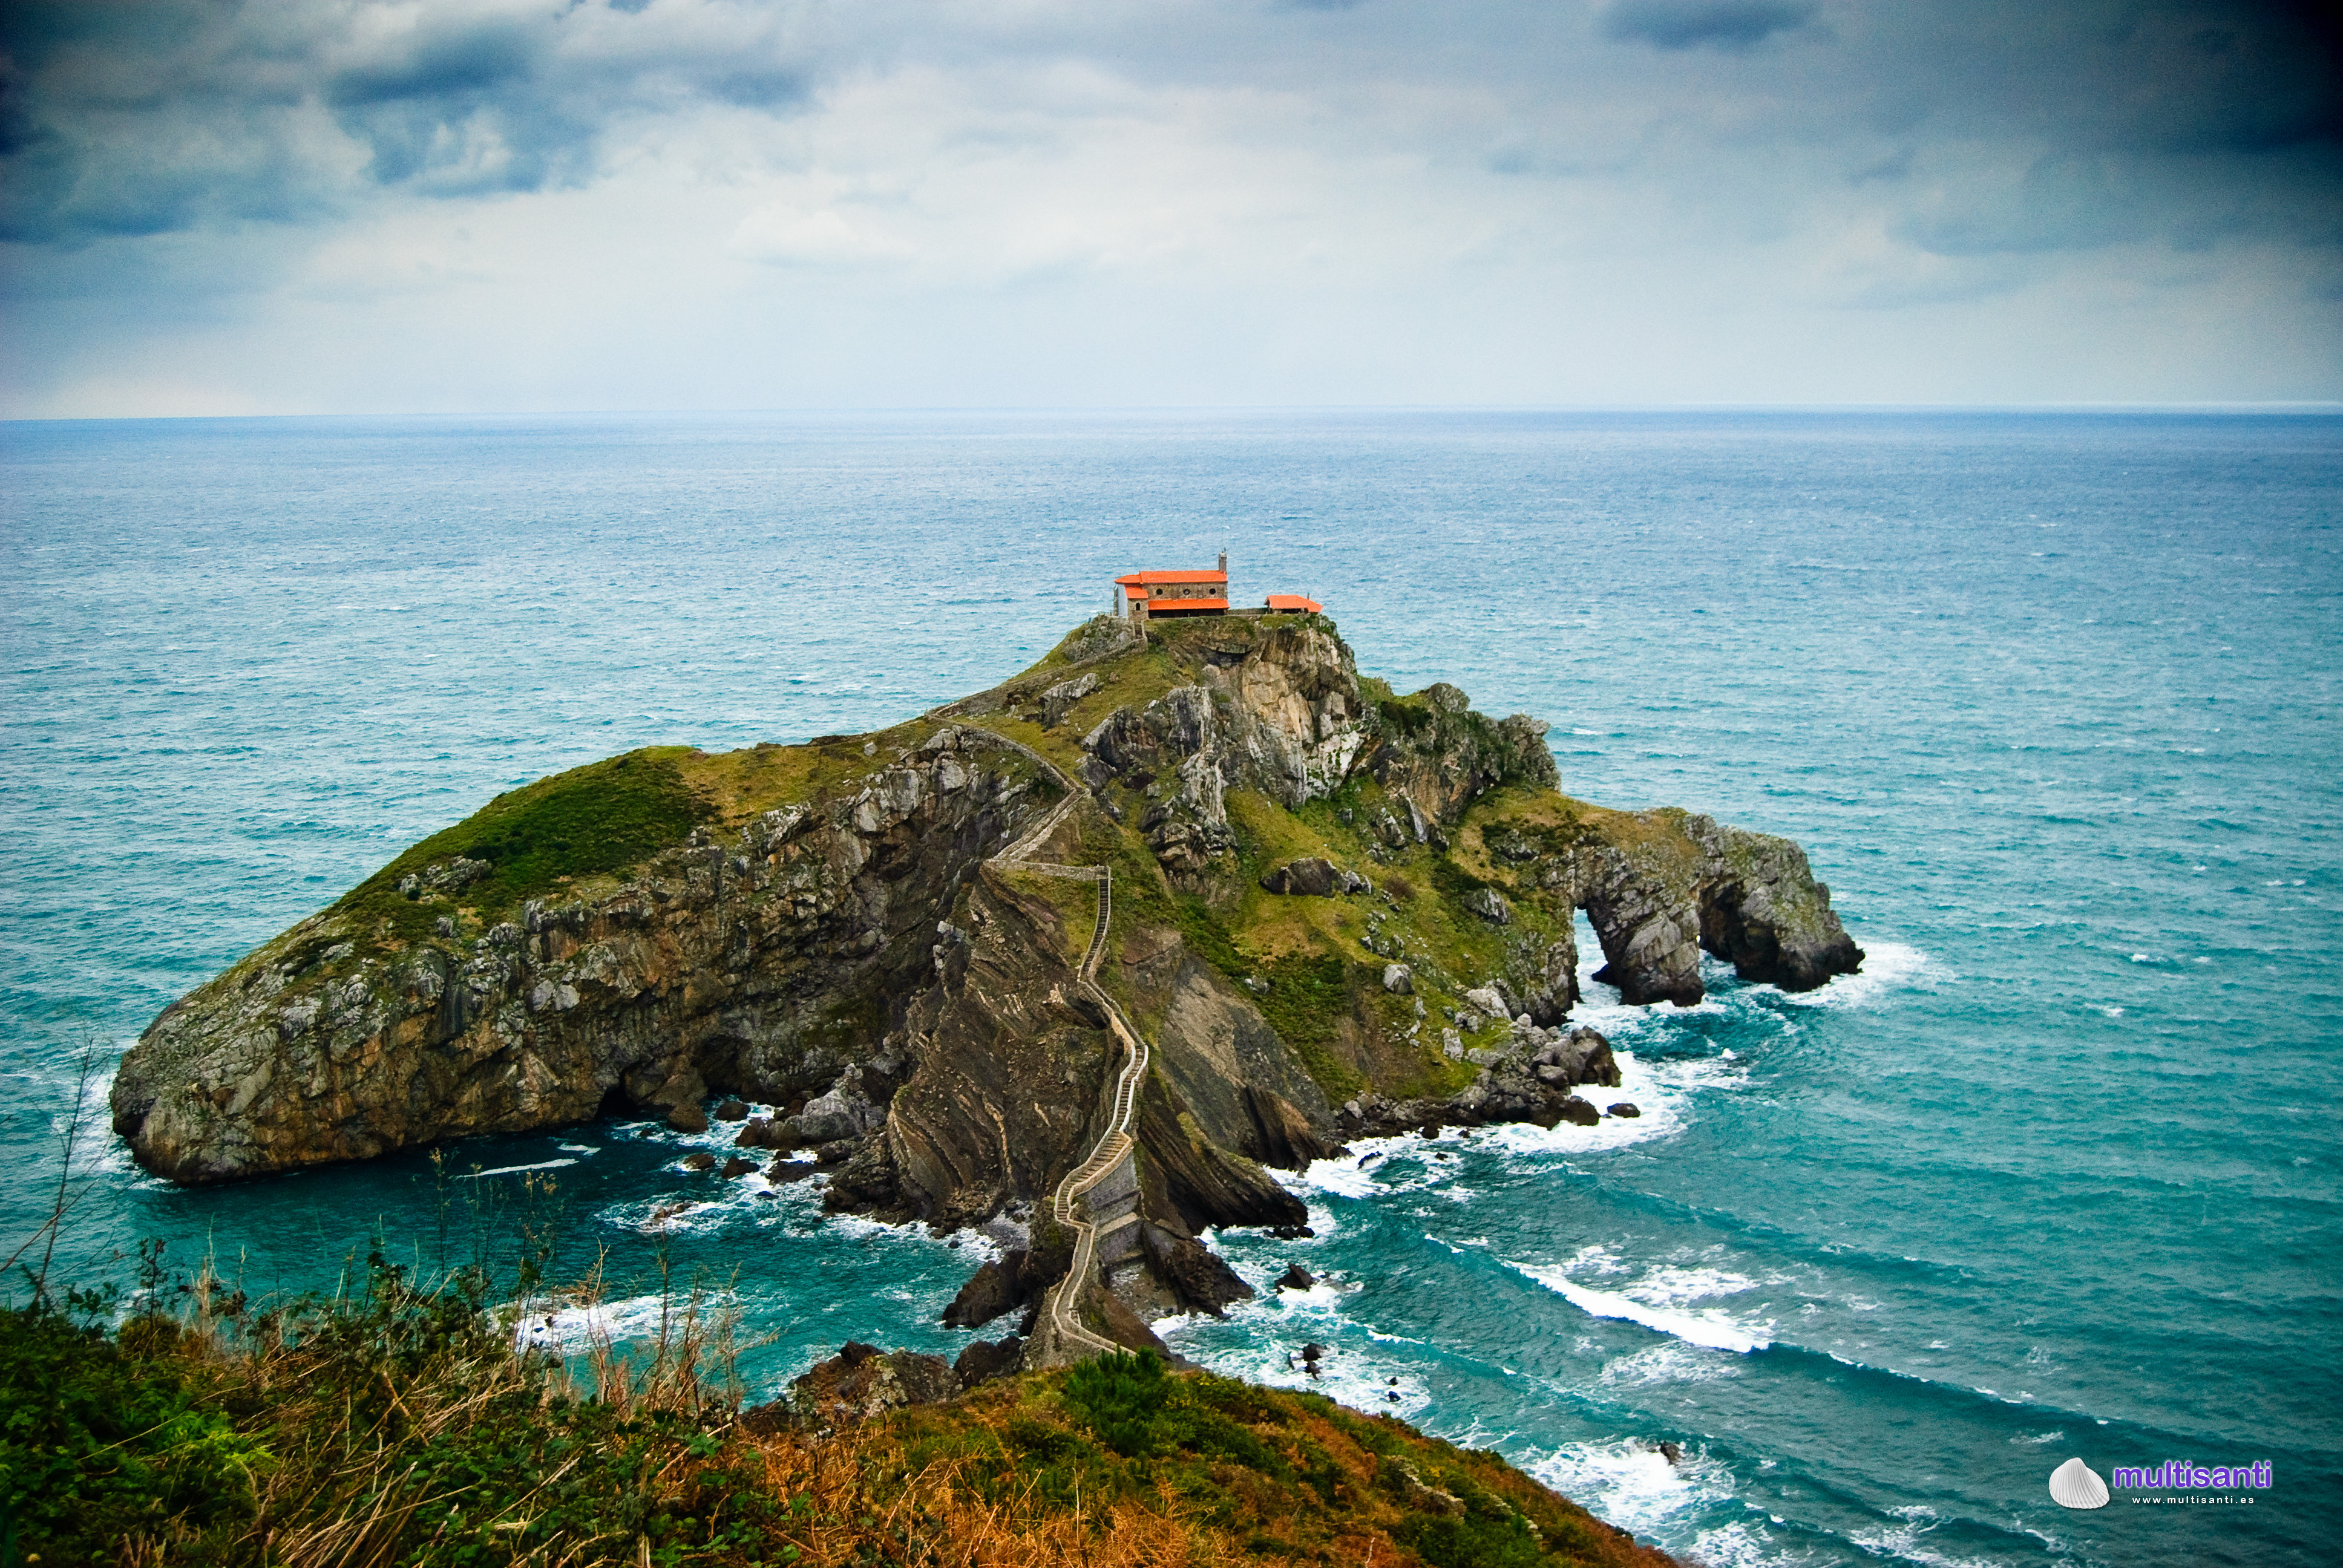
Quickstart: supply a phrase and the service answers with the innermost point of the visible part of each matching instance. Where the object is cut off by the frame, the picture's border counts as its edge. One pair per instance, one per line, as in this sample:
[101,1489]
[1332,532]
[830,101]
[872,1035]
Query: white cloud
[722,203]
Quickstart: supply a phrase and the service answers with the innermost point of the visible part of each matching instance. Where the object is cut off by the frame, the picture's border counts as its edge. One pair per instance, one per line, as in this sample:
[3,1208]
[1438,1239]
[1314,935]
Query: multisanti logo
[2178,1475]
[2074,1484]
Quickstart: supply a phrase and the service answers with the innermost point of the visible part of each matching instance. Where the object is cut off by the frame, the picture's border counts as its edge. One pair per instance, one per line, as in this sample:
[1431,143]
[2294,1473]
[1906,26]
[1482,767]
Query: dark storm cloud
[2021,129]
[1610,168]
[1722,24]
[146,118]
[2093,126]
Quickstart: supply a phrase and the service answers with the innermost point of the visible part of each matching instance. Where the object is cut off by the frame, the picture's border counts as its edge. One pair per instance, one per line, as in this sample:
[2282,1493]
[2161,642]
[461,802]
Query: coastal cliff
[1336,909]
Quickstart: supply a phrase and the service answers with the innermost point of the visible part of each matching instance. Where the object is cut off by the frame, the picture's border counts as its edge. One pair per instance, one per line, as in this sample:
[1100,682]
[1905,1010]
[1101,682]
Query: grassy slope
[1324,995]
[398,1426]
[577,834]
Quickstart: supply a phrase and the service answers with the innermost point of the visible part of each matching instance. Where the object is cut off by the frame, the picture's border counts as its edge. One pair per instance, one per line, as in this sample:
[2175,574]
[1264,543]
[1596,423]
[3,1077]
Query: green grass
[396,1425]
[405,1404]
[603,818]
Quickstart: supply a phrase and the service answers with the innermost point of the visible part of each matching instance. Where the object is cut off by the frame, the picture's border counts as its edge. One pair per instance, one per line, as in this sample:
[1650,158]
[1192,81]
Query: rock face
[1313,878]
[863,1381]
[822,937]
[1680,884]
[714,965]
[1531,1080]
[1439,755]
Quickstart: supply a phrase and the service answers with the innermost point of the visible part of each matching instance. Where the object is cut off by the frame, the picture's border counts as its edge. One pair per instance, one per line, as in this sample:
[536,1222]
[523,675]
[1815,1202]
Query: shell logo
[2074,1484]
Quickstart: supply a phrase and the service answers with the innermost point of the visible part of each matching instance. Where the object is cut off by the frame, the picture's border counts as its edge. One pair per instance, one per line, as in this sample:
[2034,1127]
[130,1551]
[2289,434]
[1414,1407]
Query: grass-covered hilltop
[1081,959]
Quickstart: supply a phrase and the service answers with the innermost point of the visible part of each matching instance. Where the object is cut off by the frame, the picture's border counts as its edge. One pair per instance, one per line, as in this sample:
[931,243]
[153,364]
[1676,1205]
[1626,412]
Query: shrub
[98,1440]
[1121,1398]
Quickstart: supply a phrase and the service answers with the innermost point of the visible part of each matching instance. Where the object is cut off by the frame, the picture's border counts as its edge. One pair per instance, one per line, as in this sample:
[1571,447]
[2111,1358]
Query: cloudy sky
[410,206]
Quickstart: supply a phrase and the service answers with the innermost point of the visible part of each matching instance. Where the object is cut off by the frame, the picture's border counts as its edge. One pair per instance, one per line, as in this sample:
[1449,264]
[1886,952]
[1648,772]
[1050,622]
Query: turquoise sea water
[2051,700]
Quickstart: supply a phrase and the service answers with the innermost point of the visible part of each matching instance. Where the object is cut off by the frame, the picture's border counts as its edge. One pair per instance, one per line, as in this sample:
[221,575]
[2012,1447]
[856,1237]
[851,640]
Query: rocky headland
[1335,912]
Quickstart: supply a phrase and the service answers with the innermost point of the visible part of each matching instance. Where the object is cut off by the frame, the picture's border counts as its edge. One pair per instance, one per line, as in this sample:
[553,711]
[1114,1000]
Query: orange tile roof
[1132,590]
[1294,601]
[1167,606]
[1153,579]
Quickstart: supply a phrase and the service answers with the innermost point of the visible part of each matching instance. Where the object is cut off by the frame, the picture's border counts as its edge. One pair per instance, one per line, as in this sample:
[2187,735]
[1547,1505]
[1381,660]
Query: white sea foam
[1744,1543]
[1631,1484]
[1388,1167]
[1276,1324]
[1668,1363]
[1887,967]
[513,1170]
[571,1328]
[1348,1375]
[1905,1542]
[1660,1301]
[714,1204]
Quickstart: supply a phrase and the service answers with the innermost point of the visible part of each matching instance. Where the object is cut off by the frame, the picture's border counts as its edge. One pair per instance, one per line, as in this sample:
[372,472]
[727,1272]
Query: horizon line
[2207,405]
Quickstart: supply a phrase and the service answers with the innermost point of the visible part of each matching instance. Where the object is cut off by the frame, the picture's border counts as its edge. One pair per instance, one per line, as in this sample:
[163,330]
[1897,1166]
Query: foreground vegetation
[396,1424]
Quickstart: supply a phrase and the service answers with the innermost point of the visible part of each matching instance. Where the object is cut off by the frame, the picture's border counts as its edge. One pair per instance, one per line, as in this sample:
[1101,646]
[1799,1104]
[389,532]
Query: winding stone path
[1116,1144]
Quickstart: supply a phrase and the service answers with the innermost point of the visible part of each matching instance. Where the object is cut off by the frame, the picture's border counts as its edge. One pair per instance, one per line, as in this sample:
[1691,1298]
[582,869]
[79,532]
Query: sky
[346,206]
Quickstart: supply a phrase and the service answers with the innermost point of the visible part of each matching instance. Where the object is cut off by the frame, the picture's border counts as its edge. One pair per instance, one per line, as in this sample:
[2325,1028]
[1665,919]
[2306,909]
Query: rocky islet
[1337,912]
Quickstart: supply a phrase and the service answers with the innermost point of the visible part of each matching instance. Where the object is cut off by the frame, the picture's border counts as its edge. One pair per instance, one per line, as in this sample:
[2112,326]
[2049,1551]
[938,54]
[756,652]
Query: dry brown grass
[940,1515]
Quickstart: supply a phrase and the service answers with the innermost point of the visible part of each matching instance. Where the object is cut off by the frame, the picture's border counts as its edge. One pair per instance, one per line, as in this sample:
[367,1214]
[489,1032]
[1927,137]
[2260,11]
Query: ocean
[2050,699]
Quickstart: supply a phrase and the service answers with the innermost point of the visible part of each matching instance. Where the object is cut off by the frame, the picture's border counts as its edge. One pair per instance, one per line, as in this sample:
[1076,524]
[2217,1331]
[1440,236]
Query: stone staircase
[1116,1144]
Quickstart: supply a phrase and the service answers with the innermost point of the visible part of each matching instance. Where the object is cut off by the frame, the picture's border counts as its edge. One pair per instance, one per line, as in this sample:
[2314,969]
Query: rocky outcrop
[1532,1080]
[994,1291]
[1295,715]
[863,1381]
[1762,909]
[1197,1183]
[1278,712]
[985,1361]
[1061,696]
[1680,884]
[1215,1057]
[1438,756]
[1313,878]
[1169,748]
[725,962]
